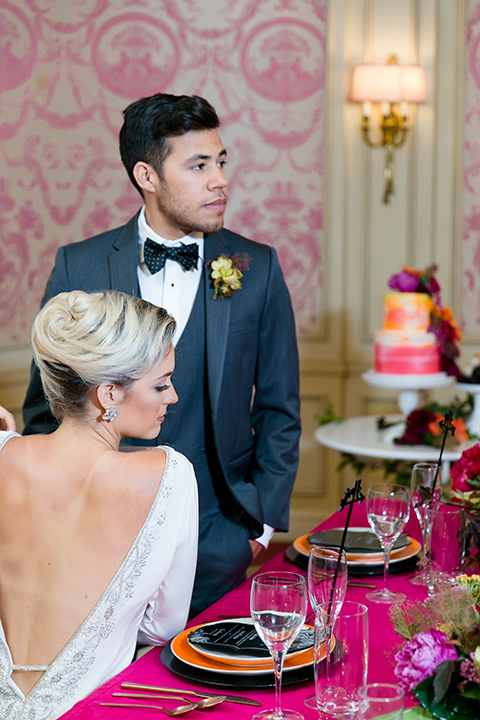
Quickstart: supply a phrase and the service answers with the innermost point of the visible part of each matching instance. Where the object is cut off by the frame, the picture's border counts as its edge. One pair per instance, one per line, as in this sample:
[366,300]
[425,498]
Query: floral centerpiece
[465,490]
[439,662]
[422,425]
[442,322]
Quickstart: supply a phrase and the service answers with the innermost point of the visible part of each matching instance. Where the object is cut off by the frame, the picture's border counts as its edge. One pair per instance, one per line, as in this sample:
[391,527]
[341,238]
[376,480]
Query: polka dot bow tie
[155,255]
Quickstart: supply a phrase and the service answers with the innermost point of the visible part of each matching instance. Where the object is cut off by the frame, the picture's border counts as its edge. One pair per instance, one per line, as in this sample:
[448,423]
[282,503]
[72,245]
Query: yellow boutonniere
[226,273]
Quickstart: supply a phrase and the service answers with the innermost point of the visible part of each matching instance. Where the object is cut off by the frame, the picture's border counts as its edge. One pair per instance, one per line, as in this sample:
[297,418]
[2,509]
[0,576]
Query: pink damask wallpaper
[69,68]
[471,175]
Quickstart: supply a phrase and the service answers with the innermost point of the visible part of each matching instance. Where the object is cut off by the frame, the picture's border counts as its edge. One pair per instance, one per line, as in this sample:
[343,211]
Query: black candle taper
[447,426]
[352,495]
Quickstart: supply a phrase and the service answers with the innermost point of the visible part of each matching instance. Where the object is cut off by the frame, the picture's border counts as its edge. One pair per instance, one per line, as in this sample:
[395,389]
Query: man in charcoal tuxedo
[236,375]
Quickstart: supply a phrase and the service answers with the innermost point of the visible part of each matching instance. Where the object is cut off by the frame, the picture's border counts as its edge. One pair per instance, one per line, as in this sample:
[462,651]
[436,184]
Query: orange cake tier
[406,312]
[404,347]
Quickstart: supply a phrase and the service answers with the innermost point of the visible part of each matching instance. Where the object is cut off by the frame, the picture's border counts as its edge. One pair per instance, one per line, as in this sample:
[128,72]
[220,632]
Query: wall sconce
[392,87]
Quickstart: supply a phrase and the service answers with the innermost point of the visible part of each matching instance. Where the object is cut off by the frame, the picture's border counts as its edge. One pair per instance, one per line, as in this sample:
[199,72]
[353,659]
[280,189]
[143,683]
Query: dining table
[150,669]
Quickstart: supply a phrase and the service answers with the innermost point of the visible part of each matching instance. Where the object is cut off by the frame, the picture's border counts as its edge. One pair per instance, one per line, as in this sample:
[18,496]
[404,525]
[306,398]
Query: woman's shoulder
[6,435]
[155,459]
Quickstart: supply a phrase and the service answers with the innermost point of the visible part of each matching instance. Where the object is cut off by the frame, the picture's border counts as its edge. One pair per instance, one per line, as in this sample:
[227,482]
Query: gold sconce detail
[391,88]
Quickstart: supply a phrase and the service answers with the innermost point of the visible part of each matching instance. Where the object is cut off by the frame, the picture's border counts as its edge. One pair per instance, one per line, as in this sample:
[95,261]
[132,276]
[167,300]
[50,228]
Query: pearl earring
[110,414]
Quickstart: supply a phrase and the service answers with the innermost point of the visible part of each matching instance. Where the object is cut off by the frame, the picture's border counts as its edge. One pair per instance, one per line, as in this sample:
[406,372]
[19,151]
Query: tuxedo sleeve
[37,417]
[276,403]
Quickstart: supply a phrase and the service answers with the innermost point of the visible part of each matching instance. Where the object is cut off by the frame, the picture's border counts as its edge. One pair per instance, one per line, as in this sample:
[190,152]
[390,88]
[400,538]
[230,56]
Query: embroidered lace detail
[61,679]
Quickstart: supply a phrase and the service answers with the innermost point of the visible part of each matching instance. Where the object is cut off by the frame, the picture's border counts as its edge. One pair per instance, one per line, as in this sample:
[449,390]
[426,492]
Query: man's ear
[146,177]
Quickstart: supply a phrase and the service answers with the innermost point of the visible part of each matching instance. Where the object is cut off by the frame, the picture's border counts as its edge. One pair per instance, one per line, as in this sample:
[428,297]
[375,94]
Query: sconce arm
[388,172]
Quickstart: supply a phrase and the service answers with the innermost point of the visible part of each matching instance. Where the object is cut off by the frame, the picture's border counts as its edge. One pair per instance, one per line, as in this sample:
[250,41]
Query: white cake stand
[473,422]
[409,384]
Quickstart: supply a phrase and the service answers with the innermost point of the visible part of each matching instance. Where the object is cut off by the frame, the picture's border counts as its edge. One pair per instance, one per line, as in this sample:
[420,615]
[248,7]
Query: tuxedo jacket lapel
[217,318]
[123,261]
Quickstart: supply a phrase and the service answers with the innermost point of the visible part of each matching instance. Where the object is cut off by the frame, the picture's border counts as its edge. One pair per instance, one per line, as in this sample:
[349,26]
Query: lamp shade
[414,84]
[388,83]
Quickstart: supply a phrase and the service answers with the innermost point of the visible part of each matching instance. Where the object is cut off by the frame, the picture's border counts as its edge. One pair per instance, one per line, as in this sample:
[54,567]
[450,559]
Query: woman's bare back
[69,513]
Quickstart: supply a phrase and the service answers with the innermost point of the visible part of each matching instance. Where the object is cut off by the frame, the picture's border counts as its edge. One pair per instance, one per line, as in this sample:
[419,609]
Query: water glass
[381,700]
[278,605]
[337,695]
[327,583]
[448,540]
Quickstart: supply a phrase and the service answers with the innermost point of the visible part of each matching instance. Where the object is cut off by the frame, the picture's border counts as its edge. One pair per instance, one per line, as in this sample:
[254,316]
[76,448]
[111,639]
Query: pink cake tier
[404,347]
[396,354]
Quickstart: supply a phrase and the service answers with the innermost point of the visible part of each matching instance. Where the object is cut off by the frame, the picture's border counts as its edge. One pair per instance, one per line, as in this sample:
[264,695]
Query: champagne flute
[388,510]
[327,585]
[278,605]
[423,475]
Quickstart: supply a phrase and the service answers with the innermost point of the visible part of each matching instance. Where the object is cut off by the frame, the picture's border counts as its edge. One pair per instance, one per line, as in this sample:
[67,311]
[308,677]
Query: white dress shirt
[174,289]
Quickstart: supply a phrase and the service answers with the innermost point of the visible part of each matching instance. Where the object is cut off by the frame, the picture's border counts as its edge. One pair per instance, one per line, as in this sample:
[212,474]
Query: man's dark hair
[149,122]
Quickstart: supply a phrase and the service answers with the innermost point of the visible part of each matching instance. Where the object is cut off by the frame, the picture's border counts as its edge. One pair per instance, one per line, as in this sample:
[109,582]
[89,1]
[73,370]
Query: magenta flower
[466,468]
[420,657]
[404,281]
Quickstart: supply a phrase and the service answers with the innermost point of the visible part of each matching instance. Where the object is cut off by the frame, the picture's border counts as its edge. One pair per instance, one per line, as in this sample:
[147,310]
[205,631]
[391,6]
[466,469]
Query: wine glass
[424,475]
[327,585]
[278,605]
[388,510]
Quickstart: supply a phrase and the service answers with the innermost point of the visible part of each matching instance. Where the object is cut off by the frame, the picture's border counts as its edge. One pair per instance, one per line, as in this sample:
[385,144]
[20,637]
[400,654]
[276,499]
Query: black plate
[292,677]
[301,561]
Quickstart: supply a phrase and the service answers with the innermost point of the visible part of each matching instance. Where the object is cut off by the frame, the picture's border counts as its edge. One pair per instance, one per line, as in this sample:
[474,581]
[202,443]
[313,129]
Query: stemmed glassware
[423,475]
[278,605]
[327,585]
[388,510]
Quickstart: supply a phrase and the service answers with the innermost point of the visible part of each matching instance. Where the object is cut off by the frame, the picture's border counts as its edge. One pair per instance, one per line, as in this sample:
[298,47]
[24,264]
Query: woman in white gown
[97,546]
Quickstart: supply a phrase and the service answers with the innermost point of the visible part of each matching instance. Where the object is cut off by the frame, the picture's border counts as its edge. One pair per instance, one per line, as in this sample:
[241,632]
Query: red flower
[465,469]
[417,427]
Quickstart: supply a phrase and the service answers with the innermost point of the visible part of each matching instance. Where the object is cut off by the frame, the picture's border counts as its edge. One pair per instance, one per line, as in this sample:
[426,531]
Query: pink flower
[466,468]
[420,657]
[404,281]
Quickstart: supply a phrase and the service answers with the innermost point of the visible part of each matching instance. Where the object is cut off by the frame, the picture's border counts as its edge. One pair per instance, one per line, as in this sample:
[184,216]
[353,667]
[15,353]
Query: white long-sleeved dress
[148,599]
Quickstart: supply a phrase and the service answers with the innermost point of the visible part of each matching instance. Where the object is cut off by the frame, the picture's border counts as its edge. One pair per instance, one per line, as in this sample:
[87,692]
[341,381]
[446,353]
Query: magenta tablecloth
[150,670]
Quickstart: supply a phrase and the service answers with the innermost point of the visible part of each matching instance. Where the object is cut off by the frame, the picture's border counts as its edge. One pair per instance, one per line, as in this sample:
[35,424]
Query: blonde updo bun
[81,340]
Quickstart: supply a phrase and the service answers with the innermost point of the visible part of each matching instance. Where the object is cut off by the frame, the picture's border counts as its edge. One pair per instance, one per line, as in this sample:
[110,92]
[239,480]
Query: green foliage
[442,679]
[451,609]
[395,471]
[328,416]
[452,706]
